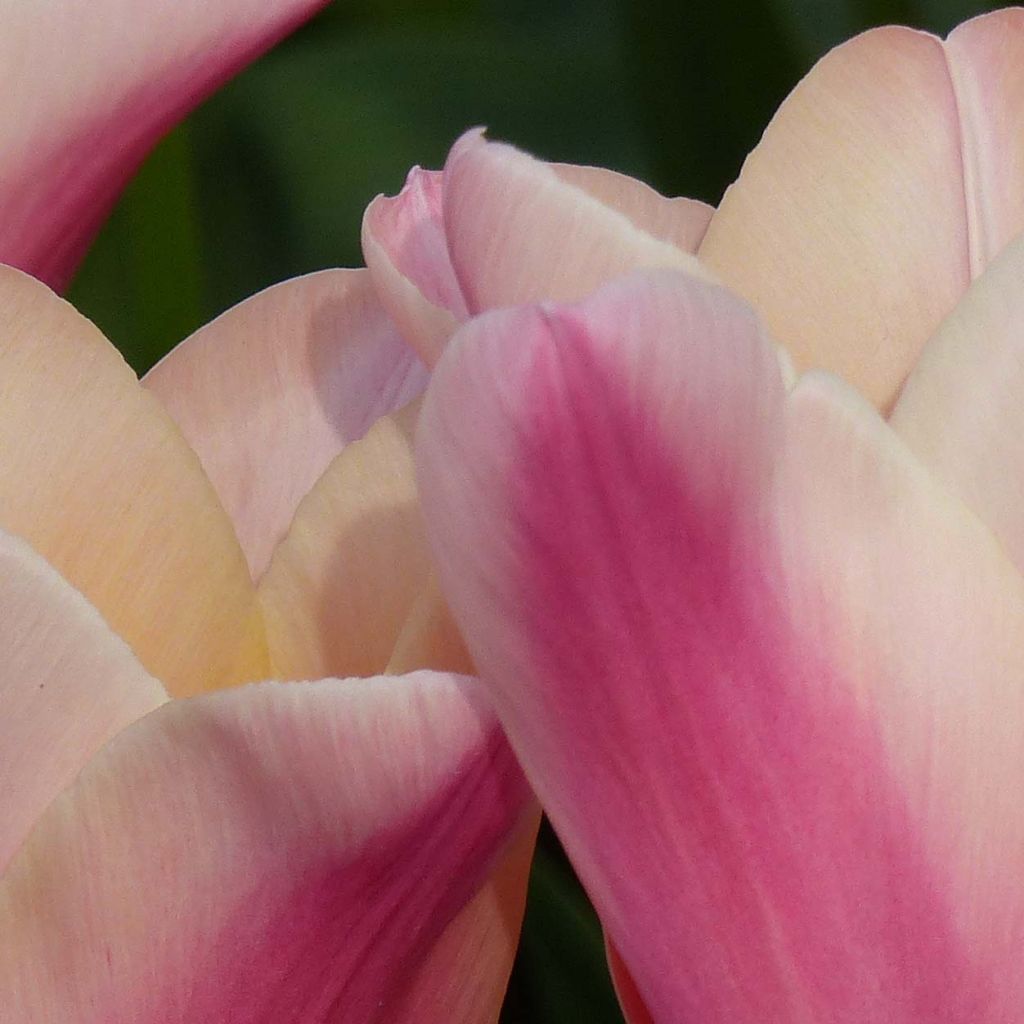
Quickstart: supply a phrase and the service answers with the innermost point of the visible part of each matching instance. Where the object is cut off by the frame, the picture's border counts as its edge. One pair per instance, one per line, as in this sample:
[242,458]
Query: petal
[961,411]
[466,975]
[67,684]
[681,222]
[88,90]
[847,227]
[269,392]
[518,232]
[986,60]
[765,677]
[429,637]
[407,254]
[97,478]
[312,844]
[633,1008]
[343,581]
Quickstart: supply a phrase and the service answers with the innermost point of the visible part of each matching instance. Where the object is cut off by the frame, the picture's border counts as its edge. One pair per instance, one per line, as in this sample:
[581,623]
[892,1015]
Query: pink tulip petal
[97,478]
[407,254]
[482,941]
[517,232]
[271,391]
[764,675]
[681,222]
[986,61]
[847,227]
[961,411]
[88,89]
[67,684]
[344,580]
[633,1007]
[274,853]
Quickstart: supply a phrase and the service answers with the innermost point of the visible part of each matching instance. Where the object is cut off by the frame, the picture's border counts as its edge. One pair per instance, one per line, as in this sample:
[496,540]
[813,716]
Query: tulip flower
[349,849]
[757,648]
[763,669]
[89,88]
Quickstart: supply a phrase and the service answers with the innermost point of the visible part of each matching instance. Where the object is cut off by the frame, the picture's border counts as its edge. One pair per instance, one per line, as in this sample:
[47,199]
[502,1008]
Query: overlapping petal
[526,228]
[518,232]
[88,88]
[97,478]
[960,410]
[887,179]
[269,392]
[344,580]
[67,685]
[764,673]
[274,853]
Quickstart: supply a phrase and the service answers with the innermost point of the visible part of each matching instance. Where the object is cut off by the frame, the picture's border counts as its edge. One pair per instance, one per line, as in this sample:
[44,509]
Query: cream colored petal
[269,392]
[343,581]
[847,227]
[67,684]
[679,221]
[986,61]
[962,408]
[97,478]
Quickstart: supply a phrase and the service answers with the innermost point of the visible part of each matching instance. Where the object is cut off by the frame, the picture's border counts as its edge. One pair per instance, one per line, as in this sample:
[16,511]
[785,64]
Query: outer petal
[96,477]
[67,684]
[986,60]
[961,408]
[679,221]
[311,845]
[847,228]
[343,581]
[271,391]
[407,252]
[88,88]
[765,677]
[518,232]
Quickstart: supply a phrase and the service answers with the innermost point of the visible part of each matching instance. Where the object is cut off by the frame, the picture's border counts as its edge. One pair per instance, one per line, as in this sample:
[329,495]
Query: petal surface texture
[407,253]
[765,676]
[887,179]
[406,247]
[344,580]
[269,392]
[88,89]
[95,475]
[67,684]
[275,853]
[961,410]
[680,221]
[518,232]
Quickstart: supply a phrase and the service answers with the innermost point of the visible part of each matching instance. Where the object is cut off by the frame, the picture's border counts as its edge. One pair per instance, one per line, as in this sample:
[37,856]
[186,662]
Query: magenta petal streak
[764,794]
[781,780]
[344,941]
[311,845]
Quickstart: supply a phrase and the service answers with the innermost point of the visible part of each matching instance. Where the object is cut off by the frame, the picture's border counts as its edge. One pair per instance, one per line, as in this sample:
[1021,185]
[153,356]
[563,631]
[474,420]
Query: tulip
[352,849]
[753,618]
[89,88]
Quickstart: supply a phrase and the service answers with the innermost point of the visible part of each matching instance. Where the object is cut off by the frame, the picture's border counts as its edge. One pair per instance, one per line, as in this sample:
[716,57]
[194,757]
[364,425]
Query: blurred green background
[270,178]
